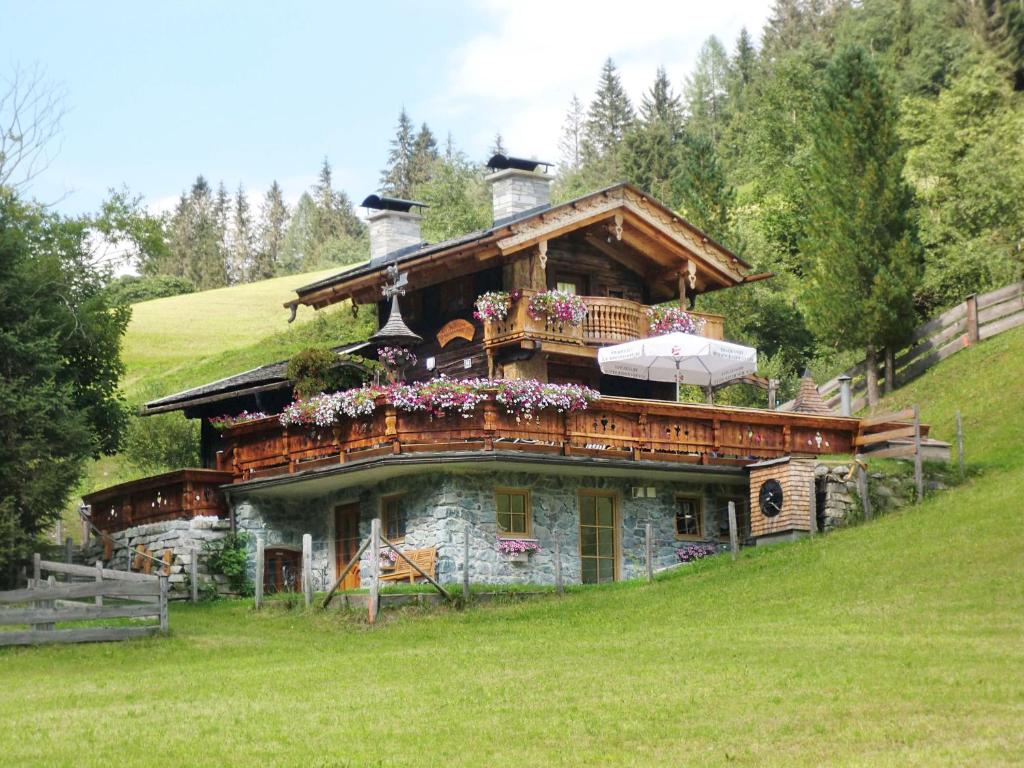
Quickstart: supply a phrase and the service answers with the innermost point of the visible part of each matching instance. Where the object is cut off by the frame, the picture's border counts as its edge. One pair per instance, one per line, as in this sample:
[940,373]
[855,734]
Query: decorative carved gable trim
[550,224]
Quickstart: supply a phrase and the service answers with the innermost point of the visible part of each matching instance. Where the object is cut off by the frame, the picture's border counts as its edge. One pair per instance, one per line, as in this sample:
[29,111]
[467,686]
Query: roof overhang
[674,249]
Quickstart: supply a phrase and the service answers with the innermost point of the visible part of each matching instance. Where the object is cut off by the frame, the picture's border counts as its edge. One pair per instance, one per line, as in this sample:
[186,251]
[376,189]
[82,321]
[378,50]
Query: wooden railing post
[99,580]
[972,319]
[734,539]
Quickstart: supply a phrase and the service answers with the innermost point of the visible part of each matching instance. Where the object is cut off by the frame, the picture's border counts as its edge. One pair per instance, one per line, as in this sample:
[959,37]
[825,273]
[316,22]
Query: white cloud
[521,72]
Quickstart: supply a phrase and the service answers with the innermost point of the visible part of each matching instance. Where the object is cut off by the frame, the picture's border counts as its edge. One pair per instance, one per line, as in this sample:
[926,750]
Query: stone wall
[180,536]
[888,491]
[442,507]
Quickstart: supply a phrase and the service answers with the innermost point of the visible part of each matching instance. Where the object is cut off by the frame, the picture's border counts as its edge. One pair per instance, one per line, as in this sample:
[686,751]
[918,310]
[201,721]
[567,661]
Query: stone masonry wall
[440,507]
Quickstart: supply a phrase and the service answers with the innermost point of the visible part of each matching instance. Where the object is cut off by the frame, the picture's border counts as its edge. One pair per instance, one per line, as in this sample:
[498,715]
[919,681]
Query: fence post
[734,537]
[648,551]
[307,569]
[258,593]
[193,574]
[465,564]
[960,443]
[918,469]
[862,486]
[163,603]
[972,319]
[373,602]
[69,547]
[559,586]
[99,579]
[813,506]
[773,385]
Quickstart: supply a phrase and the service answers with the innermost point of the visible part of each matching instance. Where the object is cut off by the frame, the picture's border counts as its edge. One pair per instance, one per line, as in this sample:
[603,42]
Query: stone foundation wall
[180,536]
[442,507]
[842,504]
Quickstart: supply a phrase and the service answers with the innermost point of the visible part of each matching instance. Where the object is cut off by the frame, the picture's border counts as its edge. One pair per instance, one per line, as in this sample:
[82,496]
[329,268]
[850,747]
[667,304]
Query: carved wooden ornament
[456,329]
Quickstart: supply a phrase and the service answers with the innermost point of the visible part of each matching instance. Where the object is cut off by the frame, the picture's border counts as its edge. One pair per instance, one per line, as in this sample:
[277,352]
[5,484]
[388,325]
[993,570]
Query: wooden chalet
[585,483]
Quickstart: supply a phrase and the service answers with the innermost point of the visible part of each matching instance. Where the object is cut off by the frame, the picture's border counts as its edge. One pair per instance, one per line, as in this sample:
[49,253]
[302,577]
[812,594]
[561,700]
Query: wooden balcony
[618,428]
[609,321]
[179,495]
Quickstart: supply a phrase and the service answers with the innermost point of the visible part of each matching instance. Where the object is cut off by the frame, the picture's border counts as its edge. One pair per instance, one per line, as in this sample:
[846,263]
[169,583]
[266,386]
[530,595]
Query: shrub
[132,289]
[229,557]
[162,442]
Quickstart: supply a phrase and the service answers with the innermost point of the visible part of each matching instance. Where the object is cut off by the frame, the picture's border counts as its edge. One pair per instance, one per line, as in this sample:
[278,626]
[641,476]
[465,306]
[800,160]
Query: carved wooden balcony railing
[609,321]
[613,427]
[179,495]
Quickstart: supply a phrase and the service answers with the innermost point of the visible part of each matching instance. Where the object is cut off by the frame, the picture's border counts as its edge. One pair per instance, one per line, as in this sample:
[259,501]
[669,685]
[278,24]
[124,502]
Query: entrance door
[598,537]
[346,530]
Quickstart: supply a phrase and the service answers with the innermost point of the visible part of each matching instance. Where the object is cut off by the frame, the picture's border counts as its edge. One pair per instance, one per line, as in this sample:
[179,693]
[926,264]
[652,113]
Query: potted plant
[518,550]
[494,306]
[558,308]
[387,557]
[669,319]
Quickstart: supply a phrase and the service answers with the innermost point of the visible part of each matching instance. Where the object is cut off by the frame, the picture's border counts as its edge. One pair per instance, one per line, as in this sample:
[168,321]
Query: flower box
[518,550]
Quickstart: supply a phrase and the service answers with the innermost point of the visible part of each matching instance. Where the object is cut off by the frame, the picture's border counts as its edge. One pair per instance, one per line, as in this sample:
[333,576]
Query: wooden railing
[178,495]
[608,321]
[640,430]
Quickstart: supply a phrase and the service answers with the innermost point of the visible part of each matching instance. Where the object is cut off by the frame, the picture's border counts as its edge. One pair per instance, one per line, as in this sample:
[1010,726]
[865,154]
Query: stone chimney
[394,225]
[517,185]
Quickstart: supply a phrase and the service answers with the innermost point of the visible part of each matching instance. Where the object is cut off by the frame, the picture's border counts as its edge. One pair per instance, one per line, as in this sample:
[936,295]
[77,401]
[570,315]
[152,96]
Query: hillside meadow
[897,642]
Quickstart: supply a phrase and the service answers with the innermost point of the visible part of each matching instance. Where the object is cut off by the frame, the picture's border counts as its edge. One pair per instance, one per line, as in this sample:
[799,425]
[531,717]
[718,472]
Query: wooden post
[812,526]
[373,603]
[960,443]
[649,551]
[972,319]
[37,570]
[918,469]
[163,603]
[734,535]
[99,579]
[193,574]
[465,564]
[69,547]
[559,586]
[258,594]
[51,582]
[307,569]
[862,486]
[773,385]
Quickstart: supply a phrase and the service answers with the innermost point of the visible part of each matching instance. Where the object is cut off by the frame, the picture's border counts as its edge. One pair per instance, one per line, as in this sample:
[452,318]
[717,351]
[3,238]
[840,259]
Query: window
[689,521]
[566,286]
[392,518]
[598,537]
[513,512]
[616,293]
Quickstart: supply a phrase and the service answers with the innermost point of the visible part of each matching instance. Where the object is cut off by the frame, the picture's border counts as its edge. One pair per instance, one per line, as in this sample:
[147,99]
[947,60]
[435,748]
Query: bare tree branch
[31,111]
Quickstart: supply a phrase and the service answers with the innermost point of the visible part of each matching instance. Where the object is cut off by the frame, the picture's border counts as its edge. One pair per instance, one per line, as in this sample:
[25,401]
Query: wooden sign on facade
[456,329]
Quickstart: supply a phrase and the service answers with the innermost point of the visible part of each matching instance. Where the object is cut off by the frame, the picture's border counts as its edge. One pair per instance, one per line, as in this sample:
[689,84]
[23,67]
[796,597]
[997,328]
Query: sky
[249,92]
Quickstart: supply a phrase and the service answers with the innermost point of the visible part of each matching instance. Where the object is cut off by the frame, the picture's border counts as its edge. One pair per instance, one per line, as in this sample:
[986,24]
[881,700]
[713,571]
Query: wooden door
[346,531]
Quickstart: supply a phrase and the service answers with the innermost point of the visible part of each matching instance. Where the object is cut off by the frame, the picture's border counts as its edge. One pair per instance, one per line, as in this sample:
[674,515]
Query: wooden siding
[795,477]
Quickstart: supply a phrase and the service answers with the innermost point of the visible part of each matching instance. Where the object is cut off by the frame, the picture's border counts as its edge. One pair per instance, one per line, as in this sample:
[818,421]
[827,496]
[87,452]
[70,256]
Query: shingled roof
[808,400]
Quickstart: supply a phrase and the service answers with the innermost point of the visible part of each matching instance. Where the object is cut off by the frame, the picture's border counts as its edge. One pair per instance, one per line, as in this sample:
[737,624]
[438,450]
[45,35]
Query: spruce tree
[273,225]
[699,188]
[242,240]
[863,266]
[456,203]
[395,179]
[609,116]
[570,145]
[424,156]
[650,154]
[706,91]
[661,105]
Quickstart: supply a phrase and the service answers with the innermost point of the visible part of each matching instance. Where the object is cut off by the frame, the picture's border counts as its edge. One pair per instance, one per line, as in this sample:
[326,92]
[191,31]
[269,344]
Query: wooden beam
[887,418]
[882,437]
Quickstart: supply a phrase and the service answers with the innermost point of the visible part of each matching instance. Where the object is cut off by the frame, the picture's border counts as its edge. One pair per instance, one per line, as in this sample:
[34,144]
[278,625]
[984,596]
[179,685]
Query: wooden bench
[424,558]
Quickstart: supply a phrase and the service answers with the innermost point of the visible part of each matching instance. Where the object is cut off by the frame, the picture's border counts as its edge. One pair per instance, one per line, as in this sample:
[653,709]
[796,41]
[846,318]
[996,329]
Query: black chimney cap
[500,162]
[381,203]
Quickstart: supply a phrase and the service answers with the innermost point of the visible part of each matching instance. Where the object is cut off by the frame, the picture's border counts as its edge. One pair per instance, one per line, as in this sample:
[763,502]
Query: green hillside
[893,643]
[186,340]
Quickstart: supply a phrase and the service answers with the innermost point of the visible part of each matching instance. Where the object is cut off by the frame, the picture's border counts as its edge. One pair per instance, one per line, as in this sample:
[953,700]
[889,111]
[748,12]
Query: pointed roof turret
[808,399]
[395,332]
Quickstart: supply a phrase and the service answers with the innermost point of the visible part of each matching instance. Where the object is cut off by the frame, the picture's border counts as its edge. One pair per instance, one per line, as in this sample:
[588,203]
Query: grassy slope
[894,643]
[169,336]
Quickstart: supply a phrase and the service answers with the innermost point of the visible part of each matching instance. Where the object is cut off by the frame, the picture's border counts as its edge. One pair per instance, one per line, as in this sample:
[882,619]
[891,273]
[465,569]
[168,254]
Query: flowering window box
[518,550]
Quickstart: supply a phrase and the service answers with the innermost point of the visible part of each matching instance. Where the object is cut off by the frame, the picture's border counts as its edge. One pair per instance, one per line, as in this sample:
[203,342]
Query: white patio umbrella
[680,357]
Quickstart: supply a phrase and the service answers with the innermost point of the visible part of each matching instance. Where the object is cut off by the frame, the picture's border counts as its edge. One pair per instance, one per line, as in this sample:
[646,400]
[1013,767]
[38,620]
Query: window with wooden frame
[689,518]
[512,507]
[393,517]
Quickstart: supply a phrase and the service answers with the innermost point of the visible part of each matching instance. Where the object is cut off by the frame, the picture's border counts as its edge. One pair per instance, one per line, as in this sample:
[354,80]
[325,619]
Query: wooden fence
[979,317]
[47,603]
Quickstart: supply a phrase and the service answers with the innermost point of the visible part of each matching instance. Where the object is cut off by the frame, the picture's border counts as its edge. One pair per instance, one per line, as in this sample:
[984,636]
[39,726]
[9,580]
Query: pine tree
[661,105]
[196,236]
[609,116]
[242,240]
[570,145]
[706,91]
[395,179]
[272,230]
[863,265]
[424,156]
[699,188]
[650,153]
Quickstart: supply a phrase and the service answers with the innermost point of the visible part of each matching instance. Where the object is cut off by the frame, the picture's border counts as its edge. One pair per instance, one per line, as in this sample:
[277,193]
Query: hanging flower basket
[387,558]
[396,357]
[494,306]
[668,319]
[558,307]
